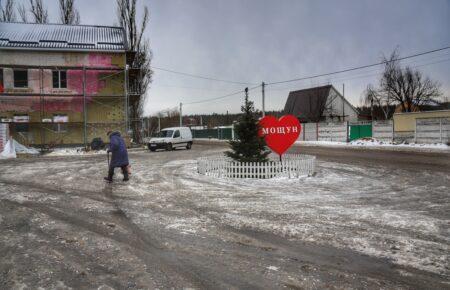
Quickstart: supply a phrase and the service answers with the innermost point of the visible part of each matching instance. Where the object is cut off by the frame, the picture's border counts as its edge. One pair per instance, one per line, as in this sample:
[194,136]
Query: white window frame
[60,125]
[59,79]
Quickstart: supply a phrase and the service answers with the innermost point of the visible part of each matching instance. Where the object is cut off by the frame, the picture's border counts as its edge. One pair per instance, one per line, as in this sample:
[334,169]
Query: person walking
[119,156]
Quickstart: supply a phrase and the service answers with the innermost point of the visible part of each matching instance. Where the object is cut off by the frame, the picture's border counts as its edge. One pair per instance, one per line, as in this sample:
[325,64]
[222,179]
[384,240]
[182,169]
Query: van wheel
[169,147]
[152,149]
[189,145]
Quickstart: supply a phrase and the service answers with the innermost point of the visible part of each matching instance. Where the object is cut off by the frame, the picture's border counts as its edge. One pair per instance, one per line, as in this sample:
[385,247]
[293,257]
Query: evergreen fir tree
[249,147]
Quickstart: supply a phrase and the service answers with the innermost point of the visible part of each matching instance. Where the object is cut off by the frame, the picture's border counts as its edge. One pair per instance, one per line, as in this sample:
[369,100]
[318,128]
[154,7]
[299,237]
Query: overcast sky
[260,40]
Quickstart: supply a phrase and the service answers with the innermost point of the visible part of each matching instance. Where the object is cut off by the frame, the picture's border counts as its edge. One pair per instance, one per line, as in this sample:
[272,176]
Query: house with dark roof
[320,104]
[64,84]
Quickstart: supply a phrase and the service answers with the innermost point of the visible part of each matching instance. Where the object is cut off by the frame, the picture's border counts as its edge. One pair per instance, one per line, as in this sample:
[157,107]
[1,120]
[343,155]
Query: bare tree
[7,13]
[134,31]
[406,87]
[126,12]
[22,12]
[38,11]
[68,14]
[374,99]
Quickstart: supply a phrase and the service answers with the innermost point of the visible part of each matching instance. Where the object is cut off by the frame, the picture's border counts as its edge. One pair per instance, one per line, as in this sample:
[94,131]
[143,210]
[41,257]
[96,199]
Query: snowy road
[368,219]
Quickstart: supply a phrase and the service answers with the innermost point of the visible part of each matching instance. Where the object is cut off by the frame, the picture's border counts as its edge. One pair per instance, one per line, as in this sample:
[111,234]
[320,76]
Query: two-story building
[63,84]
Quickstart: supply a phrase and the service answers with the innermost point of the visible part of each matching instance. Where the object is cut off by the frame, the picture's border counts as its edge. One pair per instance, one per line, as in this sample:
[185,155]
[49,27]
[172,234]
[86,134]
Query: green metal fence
[218,133]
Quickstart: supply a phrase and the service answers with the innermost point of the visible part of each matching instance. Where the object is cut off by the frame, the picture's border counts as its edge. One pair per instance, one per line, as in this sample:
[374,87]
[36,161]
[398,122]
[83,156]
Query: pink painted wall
[97,82]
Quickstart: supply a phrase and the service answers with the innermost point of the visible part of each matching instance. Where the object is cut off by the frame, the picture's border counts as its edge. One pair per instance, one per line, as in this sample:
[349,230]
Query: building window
[21,119]
[60,121]
[59,79]
[21,123]
[60,128]
[20,78]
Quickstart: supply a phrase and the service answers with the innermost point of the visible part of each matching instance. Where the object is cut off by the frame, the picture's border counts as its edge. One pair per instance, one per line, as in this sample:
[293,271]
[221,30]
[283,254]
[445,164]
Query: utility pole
[159,122]
[371,109]
[181,114]
[263,100]
[343,105]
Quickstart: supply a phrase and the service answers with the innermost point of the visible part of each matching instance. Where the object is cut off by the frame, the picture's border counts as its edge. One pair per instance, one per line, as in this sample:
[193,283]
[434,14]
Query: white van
[171,138]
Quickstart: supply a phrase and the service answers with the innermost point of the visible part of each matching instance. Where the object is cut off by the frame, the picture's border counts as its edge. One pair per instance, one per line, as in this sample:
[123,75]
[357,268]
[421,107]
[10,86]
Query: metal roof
[61,37]
[308,104]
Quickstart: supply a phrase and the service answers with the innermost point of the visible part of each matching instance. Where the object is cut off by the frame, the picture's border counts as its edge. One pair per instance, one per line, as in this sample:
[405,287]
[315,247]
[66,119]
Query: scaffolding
[89,113]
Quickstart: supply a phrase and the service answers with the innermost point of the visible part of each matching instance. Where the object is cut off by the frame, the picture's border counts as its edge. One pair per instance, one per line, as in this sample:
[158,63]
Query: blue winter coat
[118,149]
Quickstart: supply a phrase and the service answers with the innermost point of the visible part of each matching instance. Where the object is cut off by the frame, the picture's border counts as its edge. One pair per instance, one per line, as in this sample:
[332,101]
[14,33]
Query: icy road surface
[366,220]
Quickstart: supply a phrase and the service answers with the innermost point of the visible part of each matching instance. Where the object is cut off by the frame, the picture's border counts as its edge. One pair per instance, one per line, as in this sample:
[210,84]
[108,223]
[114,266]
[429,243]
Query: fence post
[347,132]
[317,131]
[232,132]
[371,125]
[415,132]
[303,131]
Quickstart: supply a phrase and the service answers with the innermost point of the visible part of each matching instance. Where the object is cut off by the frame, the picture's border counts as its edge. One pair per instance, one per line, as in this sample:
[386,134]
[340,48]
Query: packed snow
[378,211]
[370,210]
[371,143]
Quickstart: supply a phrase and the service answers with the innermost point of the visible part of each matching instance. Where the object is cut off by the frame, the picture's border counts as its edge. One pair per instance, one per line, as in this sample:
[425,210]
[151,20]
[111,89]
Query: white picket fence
[292,166]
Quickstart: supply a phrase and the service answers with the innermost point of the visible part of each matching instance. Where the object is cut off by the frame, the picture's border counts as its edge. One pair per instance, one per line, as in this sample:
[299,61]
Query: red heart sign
[281,133]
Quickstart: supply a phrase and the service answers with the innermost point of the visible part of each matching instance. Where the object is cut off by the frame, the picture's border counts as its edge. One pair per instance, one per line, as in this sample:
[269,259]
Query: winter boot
[125,173]
[110,175]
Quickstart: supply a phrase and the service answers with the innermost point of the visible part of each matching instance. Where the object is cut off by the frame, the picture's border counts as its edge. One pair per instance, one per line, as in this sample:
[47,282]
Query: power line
[201,77]
[221,97]
[357,68]
[252,88]
[359,76]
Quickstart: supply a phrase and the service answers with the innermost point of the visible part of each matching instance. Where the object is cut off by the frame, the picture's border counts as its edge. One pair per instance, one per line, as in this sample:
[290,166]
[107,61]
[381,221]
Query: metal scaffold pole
[84,109]
[125,90]
[41,105]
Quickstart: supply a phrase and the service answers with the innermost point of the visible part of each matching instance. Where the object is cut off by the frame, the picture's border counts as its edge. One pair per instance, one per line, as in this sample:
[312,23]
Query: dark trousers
[124,172]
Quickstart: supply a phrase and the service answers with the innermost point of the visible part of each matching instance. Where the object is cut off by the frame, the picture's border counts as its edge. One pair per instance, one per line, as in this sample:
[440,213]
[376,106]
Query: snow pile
[375,142]
[73,151]
[24,149]
[372,143]
[9,151]
[12,147]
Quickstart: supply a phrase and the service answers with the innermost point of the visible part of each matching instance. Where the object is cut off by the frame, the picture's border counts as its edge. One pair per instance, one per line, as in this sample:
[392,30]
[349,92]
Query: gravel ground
[367,219]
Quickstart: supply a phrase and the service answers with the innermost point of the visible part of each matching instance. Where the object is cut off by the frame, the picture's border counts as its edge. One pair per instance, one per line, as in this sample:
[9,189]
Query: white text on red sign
[279,130]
